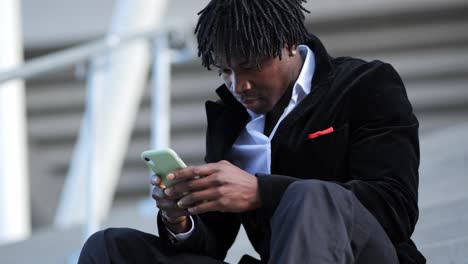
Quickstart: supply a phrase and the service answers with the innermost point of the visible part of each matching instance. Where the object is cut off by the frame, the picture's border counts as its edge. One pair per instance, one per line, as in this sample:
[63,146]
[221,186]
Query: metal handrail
[85,52]
[93,50]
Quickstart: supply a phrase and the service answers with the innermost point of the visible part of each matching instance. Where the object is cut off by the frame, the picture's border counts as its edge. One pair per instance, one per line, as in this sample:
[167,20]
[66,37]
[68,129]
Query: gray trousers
[315,222]
[321,222]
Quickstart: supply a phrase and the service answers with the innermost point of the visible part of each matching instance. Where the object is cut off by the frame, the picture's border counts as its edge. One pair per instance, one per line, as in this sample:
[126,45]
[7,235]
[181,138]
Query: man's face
[258,89]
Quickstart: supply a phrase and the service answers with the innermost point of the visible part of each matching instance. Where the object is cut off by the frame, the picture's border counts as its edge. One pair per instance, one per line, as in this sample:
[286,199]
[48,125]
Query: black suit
[373,151]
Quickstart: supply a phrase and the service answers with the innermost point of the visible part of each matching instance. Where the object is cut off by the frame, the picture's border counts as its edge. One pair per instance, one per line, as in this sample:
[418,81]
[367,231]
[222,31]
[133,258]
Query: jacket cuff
[271,188]
[172,246]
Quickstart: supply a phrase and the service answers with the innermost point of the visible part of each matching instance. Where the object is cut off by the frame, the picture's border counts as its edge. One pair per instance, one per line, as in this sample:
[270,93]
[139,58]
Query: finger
[209,206]
[165,204]
[199,197]
[170,194]
[193,171]
[158,193]
[173,215]
[193,185]
[155,180]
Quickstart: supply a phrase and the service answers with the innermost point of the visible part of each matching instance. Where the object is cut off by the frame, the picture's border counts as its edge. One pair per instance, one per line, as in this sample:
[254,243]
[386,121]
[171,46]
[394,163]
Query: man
[317,157]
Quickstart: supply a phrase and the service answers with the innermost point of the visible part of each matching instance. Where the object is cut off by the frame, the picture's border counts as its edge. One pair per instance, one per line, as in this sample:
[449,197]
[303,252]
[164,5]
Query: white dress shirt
[252,149]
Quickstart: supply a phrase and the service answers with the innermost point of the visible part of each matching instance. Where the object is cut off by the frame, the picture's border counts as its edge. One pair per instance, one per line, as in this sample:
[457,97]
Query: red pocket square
[321,133]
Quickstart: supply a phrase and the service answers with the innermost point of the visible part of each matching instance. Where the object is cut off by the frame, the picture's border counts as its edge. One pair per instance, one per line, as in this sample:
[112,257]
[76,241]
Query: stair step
[191,115]
[450,251]
[367,41]
[428,65]
[341,13]
[191,148]
[66,242]
[45,98]
[425,96]
[444,166]
[430,122]
[452,231]
[188,116]
[438,216]
[190,88]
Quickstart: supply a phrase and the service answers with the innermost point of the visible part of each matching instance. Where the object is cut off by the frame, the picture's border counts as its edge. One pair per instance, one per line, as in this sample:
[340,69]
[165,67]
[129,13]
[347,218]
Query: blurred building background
[425,40]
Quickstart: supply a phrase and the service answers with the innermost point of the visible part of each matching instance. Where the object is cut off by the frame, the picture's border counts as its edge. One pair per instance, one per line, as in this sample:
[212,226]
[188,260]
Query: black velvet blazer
[373,151]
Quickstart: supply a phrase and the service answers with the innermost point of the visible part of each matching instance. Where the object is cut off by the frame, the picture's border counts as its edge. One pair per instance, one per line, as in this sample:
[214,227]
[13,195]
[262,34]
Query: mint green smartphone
[163,162]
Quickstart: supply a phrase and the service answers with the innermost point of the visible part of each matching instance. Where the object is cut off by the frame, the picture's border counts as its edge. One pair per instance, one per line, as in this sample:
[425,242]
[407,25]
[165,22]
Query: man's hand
[175,218]
[214,187]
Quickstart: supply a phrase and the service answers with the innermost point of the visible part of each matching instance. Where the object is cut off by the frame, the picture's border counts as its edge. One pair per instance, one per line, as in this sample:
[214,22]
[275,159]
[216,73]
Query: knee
[92,247]
[320,197]
[93,241]
[101,238]
[308,189]
[314,194]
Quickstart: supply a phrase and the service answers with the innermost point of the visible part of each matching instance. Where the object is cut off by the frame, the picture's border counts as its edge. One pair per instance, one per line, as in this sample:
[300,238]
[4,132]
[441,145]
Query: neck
[273,116]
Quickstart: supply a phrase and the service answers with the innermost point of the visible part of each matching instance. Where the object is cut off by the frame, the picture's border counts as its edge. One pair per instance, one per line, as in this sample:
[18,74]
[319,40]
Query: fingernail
[170,176]
[180,203]
[168,191]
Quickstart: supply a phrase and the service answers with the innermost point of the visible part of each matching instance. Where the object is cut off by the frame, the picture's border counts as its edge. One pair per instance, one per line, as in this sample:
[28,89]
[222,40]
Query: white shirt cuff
[183,236]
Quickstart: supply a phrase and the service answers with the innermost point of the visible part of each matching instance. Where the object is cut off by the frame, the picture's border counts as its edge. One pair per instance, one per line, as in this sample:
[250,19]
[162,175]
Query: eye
[250,66]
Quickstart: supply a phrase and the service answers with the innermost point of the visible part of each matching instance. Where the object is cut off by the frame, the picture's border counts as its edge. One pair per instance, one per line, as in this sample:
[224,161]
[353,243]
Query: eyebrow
[244,63]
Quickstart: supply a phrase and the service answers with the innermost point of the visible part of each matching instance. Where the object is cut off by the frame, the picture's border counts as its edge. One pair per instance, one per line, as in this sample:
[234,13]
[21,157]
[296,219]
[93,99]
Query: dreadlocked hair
[250,29]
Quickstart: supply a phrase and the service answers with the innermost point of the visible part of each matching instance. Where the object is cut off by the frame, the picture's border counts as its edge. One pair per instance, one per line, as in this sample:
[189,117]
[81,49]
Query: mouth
[249,100]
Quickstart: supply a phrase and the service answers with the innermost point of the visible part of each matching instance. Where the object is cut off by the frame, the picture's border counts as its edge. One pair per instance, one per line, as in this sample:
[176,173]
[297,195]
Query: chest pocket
[326,155]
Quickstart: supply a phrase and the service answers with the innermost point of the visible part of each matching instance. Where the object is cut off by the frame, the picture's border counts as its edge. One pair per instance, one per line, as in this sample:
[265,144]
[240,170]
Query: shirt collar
[303,83]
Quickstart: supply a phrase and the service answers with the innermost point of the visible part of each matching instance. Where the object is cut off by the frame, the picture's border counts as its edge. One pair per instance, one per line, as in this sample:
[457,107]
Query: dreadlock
[250,29]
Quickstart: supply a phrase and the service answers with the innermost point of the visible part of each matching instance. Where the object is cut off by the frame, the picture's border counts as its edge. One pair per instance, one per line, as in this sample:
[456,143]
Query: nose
[241,85]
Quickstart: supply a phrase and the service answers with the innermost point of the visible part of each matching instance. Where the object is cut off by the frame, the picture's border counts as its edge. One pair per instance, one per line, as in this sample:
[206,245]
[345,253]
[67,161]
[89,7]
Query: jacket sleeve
[213,235]
[383,153]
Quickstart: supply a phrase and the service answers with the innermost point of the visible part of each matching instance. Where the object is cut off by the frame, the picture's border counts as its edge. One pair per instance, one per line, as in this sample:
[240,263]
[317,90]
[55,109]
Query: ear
[292,51]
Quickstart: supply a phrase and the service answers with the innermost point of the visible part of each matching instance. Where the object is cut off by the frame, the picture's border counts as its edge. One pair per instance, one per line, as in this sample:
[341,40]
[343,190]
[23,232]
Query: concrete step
[65,127]
[190,116]
[133,178]
[337,12]
[189,148]
[445,214]
[448,65]
[443,233]
[55,246]
[369,41]
[47,98]
[445,221]
[449,186]
[431,122]
[438,95]
[50,166]
[443,170]
[440,63]
[443,252]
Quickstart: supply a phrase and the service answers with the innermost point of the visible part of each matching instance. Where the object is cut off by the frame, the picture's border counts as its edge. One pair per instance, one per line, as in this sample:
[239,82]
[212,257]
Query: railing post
[15,222]
[122,86]
[160,93]
[94,118]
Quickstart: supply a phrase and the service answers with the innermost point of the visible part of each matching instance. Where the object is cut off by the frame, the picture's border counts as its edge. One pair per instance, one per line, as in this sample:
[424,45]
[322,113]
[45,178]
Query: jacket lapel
[226,119]
[321,82]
